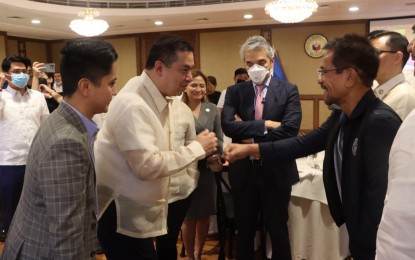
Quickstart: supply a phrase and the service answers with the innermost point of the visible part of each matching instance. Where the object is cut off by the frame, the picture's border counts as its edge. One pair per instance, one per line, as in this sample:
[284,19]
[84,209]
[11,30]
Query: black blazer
[368,137]
[282,104]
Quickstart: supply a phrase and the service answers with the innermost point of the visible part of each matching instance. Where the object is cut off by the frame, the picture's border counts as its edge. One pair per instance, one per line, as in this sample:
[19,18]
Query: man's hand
[270,125]
[208,141]
[2,79]
[235,152]
[37,68]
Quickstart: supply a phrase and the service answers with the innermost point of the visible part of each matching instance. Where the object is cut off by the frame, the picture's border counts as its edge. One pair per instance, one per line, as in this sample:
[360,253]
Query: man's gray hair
[255,43]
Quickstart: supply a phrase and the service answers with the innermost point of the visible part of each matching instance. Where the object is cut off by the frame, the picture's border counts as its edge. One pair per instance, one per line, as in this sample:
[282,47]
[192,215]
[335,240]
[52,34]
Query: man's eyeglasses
[321,72]
[17,71]
[379,52]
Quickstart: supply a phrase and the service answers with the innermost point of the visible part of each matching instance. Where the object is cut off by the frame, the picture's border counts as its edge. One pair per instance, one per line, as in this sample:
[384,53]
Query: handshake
[232,152]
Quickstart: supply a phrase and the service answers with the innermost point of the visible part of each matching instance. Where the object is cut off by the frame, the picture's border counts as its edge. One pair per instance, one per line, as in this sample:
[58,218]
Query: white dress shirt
[183,183]
[399,94]
[221,100]
[20,118]
[396,234]
[134,162]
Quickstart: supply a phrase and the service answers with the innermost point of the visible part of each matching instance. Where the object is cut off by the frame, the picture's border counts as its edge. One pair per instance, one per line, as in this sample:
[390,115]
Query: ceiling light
[88,26]
[158,23]
[354,9]
[35,21]
[290,11]
[248,16]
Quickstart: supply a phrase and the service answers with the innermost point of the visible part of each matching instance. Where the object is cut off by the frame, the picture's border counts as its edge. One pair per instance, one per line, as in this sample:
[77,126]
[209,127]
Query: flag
[278,72]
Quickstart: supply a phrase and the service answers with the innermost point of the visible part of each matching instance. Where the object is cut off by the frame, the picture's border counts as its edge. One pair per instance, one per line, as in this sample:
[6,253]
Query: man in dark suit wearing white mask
[262,109]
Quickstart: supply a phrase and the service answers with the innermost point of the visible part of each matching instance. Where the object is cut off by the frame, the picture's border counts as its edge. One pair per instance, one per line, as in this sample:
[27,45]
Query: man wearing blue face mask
[260,110]
[22,110]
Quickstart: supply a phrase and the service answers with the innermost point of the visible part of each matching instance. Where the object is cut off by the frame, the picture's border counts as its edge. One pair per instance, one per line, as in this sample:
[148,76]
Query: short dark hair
[240,71]
[7,62]
[85,58]
[212,80]
[27,62]
[373,34]
[355,51]
[165,49]
[396,42]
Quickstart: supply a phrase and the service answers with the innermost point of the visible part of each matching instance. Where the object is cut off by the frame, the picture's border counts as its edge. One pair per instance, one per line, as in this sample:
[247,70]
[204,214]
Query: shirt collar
[266,83]
[15,92]
[382,90]
[90,126]
[155,93]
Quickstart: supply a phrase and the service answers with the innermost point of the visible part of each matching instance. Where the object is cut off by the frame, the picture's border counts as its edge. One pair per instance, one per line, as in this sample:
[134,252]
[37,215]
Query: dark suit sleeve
[63,173]
[300,146]
[380,133]
[291,120]
[239,130]
[218,129]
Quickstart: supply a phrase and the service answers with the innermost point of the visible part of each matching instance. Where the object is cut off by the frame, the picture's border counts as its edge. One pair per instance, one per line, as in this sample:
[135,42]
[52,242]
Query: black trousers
[260,192]
[11,185]
[121,247]
[166,244]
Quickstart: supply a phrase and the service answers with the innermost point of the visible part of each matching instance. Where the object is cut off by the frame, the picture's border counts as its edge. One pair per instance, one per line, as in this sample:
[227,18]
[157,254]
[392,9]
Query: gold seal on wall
[314,44]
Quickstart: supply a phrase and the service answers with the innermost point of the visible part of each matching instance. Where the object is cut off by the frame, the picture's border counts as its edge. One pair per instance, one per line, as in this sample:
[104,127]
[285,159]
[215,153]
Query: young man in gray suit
[55,217]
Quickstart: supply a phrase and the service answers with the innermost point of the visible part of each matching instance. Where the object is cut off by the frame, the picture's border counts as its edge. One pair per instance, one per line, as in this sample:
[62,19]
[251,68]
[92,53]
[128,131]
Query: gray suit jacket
[55,217]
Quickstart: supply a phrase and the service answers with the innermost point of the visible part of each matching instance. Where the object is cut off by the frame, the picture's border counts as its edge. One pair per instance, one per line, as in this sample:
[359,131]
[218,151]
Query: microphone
[263,101]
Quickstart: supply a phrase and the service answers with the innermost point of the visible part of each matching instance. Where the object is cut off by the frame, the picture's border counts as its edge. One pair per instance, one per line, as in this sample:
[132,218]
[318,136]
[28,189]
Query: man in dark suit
[357,139]
[260,186]
[55,217]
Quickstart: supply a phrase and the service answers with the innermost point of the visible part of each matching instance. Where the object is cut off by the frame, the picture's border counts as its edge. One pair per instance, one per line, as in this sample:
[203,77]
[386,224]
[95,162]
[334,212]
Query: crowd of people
[81,163]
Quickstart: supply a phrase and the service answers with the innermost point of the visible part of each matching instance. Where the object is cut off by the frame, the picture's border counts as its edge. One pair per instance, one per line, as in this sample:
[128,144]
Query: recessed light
[35,21]
[248,16]
[158,23]
[354,9]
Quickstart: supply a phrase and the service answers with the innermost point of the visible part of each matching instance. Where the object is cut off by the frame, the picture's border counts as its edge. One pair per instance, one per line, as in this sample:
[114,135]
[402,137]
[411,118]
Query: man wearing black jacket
[357,139]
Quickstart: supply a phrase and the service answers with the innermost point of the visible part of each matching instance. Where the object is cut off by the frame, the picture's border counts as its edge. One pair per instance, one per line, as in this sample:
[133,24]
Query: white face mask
[257,73]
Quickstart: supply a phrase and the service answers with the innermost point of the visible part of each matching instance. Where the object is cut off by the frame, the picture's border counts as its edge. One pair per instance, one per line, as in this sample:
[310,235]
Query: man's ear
[352,76]
[158,67]
[84,86]
[399,57]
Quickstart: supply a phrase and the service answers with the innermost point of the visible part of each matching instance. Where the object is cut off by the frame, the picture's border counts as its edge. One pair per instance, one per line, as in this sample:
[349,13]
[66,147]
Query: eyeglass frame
[379,52]
[18,71]
[321,72]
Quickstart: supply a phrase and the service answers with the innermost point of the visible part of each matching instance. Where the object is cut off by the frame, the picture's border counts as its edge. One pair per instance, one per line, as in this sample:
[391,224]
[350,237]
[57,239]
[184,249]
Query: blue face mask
[20,80]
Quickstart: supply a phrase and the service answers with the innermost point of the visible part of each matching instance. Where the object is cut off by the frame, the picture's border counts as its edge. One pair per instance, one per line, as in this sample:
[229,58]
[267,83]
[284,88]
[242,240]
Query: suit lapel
[270,98]
[247,101]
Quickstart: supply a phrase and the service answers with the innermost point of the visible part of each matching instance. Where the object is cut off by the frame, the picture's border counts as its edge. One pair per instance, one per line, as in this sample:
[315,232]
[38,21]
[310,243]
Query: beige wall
[36,51]
[12,47]
[219,54]
[3,45]
[127,62]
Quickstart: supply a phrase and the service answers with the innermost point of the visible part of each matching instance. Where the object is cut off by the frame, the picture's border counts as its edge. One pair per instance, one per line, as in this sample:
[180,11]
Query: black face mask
[240,80]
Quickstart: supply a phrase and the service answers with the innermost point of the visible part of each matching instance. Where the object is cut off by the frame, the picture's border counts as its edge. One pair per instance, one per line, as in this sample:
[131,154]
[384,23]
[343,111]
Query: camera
[43,81]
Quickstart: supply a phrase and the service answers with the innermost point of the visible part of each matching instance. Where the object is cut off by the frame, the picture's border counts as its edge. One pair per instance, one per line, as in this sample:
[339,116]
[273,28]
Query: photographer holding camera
[52,91]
